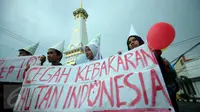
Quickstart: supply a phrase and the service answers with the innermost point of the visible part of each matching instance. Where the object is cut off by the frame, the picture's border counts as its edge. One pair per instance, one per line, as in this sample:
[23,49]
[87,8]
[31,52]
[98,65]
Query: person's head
[54,55]
[134,41]
[88,53]
[23,52]
[29,50]
[91,51]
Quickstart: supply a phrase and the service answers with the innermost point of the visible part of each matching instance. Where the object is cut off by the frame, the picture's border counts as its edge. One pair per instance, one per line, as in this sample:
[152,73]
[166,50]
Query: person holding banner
[92,50]
[169,74]
[29,51]
[24,52]
[55,53]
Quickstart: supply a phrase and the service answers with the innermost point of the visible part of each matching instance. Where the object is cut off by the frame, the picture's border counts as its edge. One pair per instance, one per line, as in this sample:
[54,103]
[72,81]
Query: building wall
[183,72]
[180,66]
[190,69]
[193,68]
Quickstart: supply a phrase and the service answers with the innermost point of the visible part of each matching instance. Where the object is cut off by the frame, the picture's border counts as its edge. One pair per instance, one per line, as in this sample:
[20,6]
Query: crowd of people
[92,52]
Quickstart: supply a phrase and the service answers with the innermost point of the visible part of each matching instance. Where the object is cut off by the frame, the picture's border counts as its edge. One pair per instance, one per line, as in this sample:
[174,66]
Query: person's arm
[27,67]
[159,59]
[42,59]
[169,68]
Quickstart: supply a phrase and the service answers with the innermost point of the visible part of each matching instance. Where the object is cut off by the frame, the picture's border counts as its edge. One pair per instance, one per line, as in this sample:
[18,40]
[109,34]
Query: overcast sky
[50,21]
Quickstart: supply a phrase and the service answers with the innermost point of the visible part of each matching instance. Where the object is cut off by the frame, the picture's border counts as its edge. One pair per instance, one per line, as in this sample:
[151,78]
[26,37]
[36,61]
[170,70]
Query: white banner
[13,69]
[126,83]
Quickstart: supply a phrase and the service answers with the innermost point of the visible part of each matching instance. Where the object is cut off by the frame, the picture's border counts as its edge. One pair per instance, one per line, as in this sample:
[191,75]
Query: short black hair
[59,53]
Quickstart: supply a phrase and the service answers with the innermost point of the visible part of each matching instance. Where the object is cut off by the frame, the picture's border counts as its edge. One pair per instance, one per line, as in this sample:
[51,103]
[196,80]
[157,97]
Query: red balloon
[160,35]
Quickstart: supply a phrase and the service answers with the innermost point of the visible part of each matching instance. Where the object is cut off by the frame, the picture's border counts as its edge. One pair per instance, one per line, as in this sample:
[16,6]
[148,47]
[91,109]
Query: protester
[92,50]
[27,51]
[169,74]
[55,54]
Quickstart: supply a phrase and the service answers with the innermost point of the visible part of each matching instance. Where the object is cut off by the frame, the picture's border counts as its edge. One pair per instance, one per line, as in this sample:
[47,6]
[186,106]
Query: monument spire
[79,35]
[81,4]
